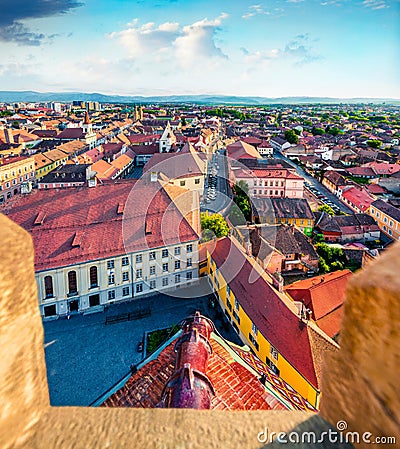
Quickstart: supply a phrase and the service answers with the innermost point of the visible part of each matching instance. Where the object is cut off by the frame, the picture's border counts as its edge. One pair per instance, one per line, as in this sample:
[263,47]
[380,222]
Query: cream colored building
[84,286]
[15,172]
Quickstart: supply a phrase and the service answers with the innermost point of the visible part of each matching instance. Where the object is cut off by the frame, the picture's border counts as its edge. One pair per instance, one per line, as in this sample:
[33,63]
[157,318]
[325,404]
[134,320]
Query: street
[314,182]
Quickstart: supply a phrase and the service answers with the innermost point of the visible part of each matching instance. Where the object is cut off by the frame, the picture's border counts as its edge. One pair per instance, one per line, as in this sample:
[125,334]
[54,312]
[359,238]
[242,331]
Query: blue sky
[336,48]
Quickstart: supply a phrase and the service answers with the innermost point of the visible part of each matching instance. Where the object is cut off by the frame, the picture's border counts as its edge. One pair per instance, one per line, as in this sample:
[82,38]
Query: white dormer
[167,139]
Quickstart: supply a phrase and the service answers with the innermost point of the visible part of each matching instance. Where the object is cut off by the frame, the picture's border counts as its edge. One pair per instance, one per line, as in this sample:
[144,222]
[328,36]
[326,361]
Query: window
[111,295]
[111,279]
[189,248]
[254,342]
[390,223]
[255,192]
[165,267]
[152,255]
[110,264]
[236,304]
[138,258]
[50,310]
[378,214]
[125,276]
[385,219]
[139,273]
[228,303]
[254,329]
[177,251]
[197,181]
[152,270]
[236,316]
[189,275]
[164,253]
[177,278]
[125,261]
[274,353]
[48,287]
[272,366]
[93,277]
[255,183]
[182,183]
[72,284]
[189,262]
[372,210]
[152,284]
[390,232]
[125,291]
[139,288]
[177,264]
[94,300]
[165,282]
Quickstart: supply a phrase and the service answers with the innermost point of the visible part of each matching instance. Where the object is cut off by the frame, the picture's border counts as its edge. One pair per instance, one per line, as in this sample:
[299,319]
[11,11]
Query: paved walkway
[85,357]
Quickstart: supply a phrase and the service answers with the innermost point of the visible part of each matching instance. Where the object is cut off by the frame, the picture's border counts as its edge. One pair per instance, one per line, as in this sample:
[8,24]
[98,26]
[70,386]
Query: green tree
[323,266]
[183,121]
[213,224]
[317,131]
[374,143]
[291,136]
[327,209]
[236,216]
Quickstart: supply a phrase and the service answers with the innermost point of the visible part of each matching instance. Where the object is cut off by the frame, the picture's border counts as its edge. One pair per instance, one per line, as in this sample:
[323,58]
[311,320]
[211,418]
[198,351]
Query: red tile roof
[235,386]
[242,150]
[94,212]
[263,304]
[324,295]
[359,198]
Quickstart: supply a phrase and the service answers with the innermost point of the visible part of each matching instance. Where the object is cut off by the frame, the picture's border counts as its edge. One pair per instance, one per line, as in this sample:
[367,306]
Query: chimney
[8,135]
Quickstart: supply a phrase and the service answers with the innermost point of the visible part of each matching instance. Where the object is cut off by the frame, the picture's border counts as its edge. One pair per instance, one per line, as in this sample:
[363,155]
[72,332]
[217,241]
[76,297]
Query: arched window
[93,277]
[72,285]
[48,286]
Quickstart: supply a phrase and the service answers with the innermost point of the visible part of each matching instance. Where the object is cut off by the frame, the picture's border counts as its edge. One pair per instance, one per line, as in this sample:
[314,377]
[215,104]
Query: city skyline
[277,48]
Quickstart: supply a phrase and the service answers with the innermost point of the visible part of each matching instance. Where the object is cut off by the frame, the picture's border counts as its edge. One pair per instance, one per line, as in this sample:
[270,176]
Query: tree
[236,216]
[183,121]
[213,224]
[327,209]
[317,131]
[374,143]
[291,136]
[241,190]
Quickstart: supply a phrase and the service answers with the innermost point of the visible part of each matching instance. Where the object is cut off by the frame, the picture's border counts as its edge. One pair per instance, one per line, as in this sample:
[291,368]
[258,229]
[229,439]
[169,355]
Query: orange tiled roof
[236,387]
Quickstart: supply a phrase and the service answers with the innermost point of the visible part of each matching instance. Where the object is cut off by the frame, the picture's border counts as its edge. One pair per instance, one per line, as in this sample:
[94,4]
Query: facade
[167,139]
[265,319]
[15,172]
[86,259]
[291,211]
[271,183]
[387,217]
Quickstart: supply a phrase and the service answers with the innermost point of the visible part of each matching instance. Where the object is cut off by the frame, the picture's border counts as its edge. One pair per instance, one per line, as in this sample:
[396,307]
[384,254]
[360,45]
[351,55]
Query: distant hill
[34,97]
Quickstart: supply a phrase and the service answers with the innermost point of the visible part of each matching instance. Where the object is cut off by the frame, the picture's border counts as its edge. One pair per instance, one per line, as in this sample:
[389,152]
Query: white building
[117,241]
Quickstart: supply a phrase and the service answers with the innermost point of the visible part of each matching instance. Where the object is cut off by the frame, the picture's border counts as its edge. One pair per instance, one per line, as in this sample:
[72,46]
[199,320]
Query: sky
[271,48]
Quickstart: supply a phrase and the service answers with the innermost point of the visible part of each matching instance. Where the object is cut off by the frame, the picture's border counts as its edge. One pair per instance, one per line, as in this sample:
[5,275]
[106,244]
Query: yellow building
[43,165]
[265,319]
[387,217]
[14,172]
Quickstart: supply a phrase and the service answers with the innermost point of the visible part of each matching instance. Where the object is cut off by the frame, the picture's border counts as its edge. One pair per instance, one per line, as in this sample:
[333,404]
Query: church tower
[87,124]
[167,139]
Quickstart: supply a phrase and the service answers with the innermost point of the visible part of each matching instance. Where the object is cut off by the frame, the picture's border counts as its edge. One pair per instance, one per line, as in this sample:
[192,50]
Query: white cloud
[170,40]
[375,4]
[259,10]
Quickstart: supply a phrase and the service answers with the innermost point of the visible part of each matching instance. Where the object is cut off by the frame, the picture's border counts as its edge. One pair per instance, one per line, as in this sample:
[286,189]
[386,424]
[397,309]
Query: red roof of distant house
[71,133]
[146,149]
[142,138]
[324,295]
[260,301]
[359,198]
[375,189]
[242,150]
[361,171]
[153,220]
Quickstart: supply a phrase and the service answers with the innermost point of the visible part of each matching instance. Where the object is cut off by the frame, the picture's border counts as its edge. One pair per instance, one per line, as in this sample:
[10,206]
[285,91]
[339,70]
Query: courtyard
[85,356]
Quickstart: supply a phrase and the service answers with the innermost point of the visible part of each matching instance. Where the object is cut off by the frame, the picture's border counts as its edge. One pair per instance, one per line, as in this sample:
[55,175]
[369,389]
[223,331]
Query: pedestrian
[68,315]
